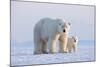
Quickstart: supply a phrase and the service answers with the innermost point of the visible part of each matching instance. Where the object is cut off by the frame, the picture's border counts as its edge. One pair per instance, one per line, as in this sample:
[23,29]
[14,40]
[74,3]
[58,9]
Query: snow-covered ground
[22,54]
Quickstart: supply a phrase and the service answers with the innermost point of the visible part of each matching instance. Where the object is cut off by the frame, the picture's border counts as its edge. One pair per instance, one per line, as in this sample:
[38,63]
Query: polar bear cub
[72,44]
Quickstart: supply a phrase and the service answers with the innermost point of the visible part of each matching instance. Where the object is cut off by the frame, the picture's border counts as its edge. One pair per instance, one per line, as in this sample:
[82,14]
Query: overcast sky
[24,15]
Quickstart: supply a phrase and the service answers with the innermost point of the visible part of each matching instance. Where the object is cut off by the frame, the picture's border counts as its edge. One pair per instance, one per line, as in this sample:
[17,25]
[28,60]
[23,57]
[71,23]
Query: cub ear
[69,23]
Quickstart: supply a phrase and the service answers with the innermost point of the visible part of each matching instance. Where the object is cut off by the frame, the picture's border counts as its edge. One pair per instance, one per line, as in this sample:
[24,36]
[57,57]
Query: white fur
[47,32]
[72,44]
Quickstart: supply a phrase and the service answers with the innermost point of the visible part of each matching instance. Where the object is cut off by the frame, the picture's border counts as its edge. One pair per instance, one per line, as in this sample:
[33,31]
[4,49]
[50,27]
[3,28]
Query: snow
[22,54]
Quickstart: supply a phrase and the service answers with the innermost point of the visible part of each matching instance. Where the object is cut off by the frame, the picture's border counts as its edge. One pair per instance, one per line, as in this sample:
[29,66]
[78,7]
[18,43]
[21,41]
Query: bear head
[62,26]
[75,39]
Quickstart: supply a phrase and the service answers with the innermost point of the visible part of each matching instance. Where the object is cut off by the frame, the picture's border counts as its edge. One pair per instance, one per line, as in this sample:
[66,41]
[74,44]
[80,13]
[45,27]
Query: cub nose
[74,40]
[64,30]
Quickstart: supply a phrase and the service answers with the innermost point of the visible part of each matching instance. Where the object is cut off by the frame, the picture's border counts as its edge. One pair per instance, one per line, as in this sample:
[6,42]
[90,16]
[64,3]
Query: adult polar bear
[47,32]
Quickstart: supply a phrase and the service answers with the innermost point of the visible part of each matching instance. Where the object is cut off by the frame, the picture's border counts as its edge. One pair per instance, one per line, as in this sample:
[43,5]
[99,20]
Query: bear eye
[59,23]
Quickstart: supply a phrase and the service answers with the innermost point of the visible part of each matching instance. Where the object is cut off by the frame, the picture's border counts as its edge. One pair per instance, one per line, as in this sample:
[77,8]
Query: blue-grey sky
[24,15]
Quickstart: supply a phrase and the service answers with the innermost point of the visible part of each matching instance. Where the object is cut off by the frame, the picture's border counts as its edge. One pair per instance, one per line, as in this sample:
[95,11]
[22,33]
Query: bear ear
[57,19]
[69,23]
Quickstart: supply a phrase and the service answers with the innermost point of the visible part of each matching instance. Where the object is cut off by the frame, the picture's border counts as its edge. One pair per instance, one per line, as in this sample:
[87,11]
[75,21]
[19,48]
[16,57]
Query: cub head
[75,39]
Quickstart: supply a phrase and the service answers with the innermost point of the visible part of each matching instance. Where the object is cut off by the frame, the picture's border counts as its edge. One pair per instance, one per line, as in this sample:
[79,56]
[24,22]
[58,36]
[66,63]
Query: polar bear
[46,34]
[72,44]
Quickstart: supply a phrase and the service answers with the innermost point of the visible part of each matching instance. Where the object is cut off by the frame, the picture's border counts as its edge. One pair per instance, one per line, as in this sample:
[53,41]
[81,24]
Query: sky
[24,15]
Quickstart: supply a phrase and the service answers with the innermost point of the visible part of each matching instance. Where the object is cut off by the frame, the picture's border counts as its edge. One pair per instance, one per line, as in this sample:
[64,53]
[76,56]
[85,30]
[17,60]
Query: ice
[22,54]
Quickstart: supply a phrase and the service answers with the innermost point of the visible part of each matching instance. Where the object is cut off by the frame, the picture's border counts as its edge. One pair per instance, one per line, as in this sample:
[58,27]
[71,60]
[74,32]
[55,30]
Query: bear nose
[64,30]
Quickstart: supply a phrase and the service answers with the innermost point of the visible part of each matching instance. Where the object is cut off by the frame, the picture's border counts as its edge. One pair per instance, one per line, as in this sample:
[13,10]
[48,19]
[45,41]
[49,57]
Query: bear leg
[52,48]
[74,48]
[38,48]
[44,48]
[63,48]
